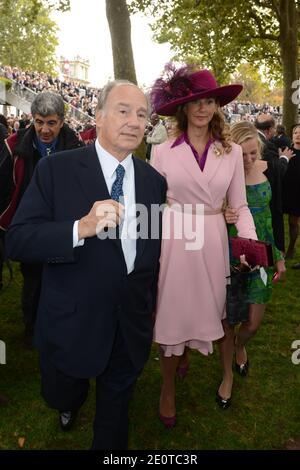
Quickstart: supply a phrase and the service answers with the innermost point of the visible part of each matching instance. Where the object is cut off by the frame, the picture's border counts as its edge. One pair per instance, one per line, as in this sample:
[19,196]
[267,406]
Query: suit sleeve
[6,178]
[34,235]
[269,150]
[275,177]
[282,165]
[156,276]
[236,196]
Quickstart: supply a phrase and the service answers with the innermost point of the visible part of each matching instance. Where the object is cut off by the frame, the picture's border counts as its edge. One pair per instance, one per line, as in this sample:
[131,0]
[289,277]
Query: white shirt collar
[109,163]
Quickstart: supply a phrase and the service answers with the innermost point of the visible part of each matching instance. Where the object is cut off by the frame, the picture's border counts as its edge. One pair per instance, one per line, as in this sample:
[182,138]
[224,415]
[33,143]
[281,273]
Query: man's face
[121,124]
[47,128]
[270,132]
[154,119]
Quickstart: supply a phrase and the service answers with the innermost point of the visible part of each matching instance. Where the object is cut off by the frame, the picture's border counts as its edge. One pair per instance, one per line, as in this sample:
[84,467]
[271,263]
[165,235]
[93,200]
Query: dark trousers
[114,387]
[32,275]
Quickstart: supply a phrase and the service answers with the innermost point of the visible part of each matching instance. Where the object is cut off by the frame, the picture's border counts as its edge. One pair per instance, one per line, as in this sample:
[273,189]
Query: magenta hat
[179,86]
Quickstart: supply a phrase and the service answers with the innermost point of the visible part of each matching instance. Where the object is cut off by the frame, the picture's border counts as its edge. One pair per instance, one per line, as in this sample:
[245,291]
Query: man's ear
[98,118]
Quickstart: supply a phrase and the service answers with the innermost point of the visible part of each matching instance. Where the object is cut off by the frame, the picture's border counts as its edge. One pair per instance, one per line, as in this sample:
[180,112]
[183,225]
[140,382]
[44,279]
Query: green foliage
[141,151]
[219,33]
[27,35]
[62,5]
[197,34]
[255,89]
[6,82]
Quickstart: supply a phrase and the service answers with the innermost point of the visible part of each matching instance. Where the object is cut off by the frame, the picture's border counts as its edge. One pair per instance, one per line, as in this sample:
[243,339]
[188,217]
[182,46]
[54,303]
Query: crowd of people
[76,94]
[95,291]
[84,98]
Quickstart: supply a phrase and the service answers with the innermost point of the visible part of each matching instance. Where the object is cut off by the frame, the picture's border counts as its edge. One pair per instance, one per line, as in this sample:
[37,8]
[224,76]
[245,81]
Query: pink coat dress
[192,283]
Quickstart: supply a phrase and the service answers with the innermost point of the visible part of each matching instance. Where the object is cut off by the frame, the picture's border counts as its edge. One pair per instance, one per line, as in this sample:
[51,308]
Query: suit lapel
[186,159]
[213,161]
[141,197]
[93,183]
[94,187]
[91,176]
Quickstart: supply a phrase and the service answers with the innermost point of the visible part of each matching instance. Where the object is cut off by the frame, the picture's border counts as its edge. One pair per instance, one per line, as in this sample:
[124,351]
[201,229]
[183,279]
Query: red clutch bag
[256,252]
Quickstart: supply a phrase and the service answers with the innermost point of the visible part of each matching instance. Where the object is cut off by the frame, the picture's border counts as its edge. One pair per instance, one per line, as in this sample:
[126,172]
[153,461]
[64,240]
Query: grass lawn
[265,407]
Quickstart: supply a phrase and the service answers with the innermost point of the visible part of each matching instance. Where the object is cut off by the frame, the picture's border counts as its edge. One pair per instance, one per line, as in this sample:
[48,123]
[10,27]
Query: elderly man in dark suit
[99,285]
[266,126]
[278,163]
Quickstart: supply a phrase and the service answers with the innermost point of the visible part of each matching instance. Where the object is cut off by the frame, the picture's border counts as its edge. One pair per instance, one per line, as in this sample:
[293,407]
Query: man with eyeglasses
[22,150]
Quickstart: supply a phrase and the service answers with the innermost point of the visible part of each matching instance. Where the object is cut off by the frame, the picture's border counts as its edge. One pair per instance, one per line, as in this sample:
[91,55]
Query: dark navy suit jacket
[86,292]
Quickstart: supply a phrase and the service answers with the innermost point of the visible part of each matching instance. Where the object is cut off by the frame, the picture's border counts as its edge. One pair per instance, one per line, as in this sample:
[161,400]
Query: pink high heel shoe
[168,422]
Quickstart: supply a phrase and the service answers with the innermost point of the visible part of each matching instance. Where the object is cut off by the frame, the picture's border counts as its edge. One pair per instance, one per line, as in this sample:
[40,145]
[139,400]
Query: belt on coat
[190,209]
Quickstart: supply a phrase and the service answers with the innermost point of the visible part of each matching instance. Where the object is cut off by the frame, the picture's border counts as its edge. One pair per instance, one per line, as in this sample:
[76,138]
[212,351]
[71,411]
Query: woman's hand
[280,265]
[245,266]
[231,215]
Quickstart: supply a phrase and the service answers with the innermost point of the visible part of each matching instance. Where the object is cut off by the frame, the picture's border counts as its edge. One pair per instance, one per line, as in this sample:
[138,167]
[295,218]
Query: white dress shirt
[128,226]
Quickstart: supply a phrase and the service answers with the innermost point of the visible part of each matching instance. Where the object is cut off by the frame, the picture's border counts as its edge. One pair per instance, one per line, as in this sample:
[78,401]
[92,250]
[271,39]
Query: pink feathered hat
[179,86]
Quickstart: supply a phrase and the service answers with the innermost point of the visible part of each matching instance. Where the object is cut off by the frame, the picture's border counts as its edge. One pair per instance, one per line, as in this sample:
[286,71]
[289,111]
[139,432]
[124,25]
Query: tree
[27,35]
[288,13]
[62,5]
[255,90]
[120,30]
[196,34]
[222,32]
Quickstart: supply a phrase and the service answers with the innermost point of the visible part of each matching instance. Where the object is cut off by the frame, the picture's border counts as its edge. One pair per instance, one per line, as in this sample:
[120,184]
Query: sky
[84,31]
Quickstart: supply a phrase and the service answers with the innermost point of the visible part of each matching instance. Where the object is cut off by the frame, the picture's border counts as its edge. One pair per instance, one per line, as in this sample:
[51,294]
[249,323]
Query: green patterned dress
[258,197]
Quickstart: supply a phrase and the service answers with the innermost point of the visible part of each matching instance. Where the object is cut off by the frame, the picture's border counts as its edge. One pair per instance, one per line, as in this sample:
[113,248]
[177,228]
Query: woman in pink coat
[203,168]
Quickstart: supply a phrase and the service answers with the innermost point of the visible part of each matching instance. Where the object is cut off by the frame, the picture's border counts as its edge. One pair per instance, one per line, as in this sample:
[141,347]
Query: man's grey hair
[102,98]
[47,103]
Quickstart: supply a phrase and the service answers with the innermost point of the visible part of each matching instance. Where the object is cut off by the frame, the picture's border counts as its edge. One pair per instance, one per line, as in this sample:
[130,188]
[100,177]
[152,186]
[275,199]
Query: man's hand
[103,214]
[286,153]
[231,215]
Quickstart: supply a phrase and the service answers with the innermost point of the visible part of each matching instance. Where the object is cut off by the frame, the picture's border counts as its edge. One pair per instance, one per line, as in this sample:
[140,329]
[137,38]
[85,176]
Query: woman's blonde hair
[218,128]
[244,130]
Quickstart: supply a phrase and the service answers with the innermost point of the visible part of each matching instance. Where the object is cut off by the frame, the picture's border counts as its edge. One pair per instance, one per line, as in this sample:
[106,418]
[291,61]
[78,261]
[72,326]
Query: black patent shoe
[242,369]
[67,419]
[223,403]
